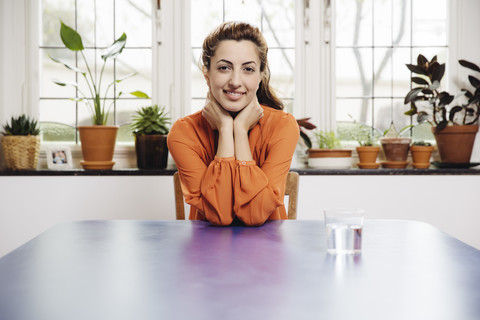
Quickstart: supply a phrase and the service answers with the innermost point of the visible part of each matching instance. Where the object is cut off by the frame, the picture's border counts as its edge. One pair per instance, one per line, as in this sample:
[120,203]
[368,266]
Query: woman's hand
[216,116]
[249,116]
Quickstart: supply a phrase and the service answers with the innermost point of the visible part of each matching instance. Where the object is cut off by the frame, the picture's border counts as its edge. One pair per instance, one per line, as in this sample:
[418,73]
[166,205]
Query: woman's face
[234,74]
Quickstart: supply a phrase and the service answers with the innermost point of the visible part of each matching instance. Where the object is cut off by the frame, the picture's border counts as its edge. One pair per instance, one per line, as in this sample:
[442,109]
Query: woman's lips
[234,95]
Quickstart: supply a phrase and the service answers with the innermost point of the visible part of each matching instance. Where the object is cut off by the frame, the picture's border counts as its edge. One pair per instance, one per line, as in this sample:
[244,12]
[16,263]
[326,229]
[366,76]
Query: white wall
[30,205]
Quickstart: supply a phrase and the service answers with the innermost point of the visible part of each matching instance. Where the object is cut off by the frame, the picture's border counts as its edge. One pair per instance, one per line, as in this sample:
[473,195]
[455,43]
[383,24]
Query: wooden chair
[291,190]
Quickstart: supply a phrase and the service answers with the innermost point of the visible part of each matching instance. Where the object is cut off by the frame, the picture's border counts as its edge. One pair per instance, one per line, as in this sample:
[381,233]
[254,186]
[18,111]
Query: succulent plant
[150,120]
[21,126]
[428,76]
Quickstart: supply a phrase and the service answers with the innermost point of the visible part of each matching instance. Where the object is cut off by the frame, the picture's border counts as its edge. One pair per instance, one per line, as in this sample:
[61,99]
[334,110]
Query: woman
[233,156]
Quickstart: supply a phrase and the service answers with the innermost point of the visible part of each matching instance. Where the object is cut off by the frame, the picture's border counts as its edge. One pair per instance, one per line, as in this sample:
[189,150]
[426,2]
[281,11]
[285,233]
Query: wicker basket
[21,152]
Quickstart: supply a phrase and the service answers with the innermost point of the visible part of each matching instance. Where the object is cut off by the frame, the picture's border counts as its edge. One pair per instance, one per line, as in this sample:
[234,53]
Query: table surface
[192,270]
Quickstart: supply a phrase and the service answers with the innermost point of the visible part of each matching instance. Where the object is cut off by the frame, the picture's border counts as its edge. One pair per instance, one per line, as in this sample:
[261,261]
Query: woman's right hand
[216,116]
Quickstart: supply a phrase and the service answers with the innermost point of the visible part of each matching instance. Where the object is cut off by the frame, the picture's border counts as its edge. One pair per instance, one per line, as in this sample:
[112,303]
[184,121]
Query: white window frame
[314,74]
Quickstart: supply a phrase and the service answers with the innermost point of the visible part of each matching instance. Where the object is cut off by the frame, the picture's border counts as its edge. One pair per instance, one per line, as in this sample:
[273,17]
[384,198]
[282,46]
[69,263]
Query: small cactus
[21,126]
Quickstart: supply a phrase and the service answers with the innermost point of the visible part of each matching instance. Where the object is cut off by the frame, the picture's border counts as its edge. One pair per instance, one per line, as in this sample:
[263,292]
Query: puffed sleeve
[206,186]
[260,190]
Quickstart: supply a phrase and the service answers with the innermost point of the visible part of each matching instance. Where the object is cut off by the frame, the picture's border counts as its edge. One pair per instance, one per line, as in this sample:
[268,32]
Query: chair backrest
[179,206]
[291,190]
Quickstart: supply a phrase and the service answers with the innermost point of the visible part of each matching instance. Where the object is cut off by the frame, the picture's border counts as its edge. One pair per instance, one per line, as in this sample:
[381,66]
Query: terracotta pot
[455,143]
[396,149]
[421,156]
[368,154]
[329,153]
[98,145]
[152,151]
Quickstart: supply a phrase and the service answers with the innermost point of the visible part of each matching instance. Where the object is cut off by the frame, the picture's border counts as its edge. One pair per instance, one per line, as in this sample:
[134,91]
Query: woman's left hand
[249,116]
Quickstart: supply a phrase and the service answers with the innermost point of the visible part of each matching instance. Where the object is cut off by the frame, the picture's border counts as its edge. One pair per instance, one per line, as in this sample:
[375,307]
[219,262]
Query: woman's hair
[243,31]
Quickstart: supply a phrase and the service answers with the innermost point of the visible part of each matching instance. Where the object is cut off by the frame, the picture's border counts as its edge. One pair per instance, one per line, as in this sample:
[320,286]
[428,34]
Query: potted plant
[21,143]
[150,128]
[329,154]
[421,153]
[97,140]
[368,149]
[454,128]
[395,147]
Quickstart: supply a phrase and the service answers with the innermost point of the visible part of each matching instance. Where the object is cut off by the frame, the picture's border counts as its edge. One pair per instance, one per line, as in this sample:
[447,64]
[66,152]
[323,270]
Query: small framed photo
[59,158]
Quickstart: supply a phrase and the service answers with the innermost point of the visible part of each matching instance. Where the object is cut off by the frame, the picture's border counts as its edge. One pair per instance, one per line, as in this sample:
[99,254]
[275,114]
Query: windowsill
[301,171]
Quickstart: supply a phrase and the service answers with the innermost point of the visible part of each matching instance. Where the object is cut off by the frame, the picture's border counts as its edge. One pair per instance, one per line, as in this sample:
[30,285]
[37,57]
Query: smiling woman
[234,155]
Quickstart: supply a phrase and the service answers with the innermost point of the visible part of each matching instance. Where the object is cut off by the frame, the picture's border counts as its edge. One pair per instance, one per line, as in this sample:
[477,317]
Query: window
[99,23]
[374,41]
[330,60]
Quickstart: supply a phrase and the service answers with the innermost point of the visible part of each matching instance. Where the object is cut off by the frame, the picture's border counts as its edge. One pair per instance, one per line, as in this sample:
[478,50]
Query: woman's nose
[235,79]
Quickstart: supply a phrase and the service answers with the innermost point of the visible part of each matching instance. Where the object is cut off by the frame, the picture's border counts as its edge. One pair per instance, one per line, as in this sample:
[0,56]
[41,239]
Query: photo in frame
[59,158]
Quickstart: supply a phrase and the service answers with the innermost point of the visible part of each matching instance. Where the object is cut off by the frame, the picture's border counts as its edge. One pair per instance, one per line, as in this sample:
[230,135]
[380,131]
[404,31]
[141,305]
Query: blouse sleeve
[206,187]
[260,190]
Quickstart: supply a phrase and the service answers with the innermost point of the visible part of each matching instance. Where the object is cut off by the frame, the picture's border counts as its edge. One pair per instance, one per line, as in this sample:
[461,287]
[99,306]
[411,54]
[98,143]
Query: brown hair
[243,31]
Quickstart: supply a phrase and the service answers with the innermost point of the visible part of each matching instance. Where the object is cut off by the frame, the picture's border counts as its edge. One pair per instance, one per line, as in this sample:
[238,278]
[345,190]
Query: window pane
[52,12]
[354,72]
[95,22]
[57,120]
[278,23]
[51,70]
[358,64]
[429,23]
[135,19]
[282,68]
[354,23]
[206,15]
[246,11]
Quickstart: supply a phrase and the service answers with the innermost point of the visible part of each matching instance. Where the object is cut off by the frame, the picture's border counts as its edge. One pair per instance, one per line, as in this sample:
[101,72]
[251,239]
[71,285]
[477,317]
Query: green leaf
[70,38]
[67,65]
[116,48]
[64,83]
[125,77]
[140,94]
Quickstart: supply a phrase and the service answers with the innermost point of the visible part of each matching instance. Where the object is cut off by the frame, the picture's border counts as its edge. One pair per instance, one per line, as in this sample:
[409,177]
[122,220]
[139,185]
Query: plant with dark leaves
[428,75]
[305,124]
[472,108]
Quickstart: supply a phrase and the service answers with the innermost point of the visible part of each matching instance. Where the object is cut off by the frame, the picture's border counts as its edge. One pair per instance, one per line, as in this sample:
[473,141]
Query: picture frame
[59,158]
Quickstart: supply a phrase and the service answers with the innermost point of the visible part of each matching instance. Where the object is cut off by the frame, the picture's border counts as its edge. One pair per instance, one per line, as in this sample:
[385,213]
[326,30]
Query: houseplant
[367,149]
[455,127]
[98,140]
[421,153]
[329,154]
[305,142]
[395,147]
[21,143]
[150,127]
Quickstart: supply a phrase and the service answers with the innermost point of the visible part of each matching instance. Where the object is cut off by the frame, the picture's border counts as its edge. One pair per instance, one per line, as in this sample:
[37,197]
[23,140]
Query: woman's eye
[249,69]
[222,68]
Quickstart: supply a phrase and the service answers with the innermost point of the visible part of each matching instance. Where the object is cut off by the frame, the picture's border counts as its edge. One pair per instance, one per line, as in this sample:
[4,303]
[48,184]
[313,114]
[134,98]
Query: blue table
[191,270]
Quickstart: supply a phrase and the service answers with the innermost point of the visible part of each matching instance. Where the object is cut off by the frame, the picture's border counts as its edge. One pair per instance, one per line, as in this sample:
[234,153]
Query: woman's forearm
[242,145]
[225,142]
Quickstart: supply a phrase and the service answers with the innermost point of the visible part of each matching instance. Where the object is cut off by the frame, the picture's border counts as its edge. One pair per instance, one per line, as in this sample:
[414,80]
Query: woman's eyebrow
[229,62]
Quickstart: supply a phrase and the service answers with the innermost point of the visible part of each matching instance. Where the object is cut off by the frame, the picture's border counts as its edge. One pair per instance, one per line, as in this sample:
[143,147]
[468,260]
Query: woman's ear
[205,75]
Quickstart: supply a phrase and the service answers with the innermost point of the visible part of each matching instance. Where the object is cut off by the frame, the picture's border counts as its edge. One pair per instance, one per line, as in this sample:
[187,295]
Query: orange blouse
[222,189]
